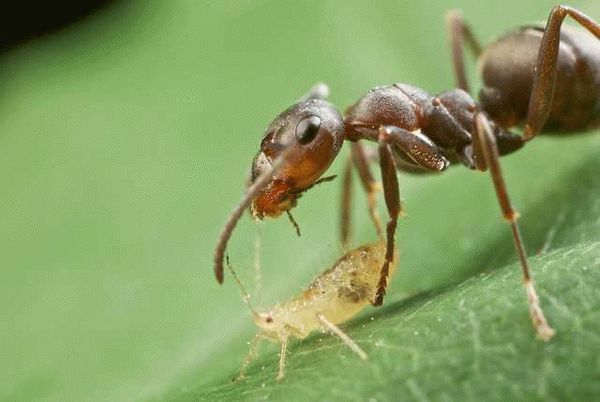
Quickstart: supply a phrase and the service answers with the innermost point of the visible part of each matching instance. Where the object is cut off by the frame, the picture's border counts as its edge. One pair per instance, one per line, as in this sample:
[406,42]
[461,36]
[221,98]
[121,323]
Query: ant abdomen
[508,67]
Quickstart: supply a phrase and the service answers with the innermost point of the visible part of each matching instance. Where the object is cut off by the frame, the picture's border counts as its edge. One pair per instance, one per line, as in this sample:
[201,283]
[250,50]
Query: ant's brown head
[311,133]
[297,148]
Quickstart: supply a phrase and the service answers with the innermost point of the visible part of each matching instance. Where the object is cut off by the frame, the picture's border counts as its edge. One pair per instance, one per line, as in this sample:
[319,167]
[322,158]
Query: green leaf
[125,140]
[471,341]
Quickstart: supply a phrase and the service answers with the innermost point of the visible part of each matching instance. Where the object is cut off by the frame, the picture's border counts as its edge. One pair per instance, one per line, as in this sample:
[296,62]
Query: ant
[534,77]
[335,296]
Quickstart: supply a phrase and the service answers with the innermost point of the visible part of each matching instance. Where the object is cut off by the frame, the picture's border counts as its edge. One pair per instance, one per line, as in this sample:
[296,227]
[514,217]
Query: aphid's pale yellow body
[338,294]
[332,298]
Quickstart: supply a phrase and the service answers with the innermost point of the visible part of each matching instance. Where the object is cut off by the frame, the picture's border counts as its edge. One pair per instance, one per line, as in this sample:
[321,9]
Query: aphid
[335,296]
[534,77]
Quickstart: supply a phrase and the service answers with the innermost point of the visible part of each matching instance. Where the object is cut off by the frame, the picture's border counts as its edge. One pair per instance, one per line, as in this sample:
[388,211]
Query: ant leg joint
[511,216]
[528,133]
[383,133]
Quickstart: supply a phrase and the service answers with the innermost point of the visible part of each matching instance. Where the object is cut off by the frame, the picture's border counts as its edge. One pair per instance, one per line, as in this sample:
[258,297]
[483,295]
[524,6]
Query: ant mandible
[535,77]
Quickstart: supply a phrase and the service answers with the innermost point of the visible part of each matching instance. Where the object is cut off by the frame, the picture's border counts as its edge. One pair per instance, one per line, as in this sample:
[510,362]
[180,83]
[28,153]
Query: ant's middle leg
[540,99]
[391,194]
[485,143]
[460,32]
[424,153]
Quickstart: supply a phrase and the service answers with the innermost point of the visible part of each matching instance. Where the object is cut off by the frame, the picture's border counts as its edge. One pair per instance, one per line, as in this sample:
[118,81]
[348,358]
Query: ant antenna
[252,191]
[318,91]
[245,294]
[296,226]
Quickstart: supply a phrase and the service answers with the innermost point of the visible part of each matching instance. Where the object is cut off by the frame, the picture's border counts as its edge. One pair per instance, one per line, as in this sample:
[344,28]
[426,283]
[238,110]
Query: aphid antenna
[245,295]
[257,256]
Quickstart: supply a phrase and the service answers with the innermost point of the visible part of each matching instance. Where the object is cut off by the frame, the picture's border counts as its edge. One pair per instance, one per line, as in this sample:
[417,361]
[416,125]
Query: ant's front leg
[485,143]
[346,204]
[544,79]
[424,153]
[460,32]
[359,158]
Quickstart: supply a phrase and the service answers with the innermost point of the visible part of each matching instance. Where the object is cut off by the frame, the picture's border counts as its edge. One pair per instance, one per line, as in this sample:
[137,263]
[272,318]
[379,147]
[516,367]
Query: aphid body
[334,297]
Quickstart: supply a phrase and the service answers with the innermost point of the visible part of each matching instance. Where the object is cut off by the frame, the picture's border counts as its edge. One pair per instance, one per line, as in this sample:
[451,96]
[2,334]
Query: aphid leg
[252,354]
[487,144]
[283,339]
[335,330]
[544,79]
[459,33]
[391,194]
[239,209]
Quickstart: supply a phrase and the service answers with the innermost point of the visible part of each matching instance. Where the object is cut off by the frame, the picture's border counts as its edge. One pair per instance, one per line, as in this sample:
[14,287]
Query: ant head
[312,133]
[267,322]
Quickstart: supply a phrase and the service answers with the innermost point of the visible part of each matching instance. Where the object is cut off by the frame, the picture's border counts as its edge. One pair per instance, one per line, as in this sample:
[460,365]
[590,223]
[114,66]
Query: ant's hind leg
[544,79]
[459,32]
[486,144]
[335,330]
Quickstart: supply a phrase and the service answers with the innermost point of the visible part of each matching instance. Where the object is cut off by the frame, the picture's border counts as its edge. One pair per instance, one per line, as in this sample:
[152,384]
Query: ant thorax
[339,294]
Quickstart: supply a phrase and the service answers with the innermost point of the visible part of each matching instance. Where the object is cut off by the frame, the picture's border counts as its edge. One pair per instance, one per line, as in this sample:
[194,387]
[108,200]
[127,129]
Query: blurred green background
[126,139]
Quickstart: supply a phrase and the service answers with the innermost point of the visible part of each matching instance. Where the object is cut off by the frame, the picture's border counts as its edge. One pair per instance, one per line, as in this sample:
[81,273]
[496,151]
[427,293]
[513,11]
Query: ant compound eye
[269,319]
[307,129]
